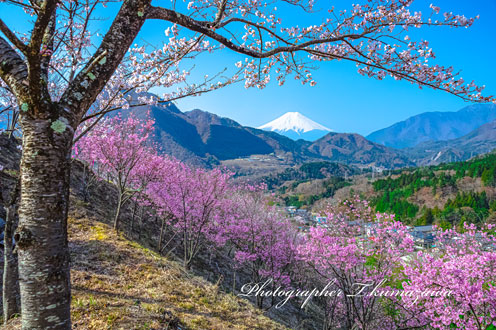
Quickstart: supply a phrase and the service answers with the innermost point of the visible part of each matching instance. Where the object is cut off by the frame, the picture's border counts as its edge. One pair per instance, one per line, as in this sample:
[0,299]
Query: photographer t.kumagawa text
[265,289]
[262,290]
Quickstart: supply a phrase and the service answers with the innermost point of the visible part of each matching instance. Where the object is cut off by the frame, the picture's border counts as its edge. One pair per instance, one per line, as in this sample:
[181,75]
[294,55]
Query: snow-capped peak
[293,121]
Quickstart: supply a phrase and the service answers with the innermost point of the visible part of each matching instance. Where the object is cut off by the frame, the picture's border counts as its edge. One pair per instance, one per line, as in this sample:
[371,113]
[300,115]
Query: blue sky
[342,99]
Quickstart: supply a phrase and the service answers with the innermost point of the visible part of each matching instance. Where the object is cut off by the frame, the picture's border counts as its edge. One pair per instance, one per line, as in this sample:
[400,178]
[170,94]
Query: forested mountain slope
[448,194]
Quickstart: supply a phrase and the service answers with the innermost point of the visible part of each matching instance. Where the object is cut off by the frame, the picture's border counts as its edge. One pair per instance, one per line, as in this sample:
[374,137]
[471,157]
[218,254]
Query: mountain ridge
[479,141]
[204,139]
[353,148]
[434,126]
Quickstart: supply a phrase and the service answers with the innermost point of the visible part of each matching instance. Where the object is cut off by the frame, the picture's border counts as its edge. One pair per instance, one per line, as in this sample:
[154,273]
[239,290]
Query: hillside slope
[447,195]
[119,284]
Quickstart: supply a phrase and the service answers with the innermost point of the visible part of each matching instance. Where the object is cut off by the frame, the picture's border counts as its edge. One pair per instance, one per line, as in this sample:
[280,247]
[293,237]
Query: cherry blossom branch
[84,89]
[203,27]
[13,38]
[45,15]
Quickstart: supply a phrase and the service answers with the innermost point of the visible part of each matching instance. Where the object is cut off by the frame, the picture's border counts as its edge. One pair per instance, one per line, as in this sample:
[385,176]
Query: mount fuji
[296,126]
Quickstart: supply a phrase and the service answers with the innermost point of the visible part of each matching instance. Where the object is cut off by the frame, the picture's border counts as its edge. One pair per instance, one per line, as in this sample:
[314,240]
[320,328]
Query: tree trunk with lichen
[48,130]
[42,233]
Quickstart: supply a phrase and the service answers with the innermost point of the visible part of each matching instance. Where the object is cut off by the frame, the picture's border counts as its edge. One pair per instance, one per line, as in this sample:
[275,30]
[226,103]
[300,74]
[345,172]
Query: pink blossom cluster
[465,264]
[264,239]
[200,207]
[119,151]
[195,203]
[356,247]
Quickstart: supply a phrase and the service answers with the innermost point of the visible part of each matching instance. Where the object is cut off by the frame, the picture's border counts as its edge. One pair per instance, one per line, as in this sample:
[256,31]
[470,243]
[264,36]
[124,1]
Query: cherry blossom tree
[450,286]
[119,150]
[465,265]
[356,251]
[150,170]
[62,72]
[264,240]
[195,204]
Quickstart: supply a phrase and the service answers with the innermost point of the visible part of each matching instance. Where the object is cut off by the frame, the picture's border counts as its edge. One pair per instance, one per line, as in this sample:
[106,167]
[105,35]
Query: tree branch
[44,25]
[206,29]
[13,69]
[48,9]
[47,48]
[90,81]
[13,38]
[220,13]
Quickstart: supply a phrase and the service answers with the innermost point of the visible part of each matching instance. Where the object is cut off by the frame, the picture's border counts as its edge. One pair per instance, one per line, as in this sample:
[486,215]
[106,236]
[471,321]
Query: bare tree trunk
[142,214]
[162,229]
[88,178]
[10,292]
[185,254]
[186,263]
[44,275]
[234,282]
[118,211]
[260,302]
[133,217]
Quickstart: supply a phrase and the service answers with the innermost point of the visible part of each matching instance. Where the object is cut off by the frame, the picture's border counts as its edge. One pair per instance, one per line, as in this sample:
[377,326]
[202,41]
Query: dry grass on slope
[118,284]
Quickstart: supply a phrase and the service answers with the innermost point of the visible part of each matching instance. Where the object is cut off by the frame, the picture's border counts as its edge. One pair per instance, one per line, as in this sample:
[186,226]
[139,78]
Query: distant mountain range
[204,139]
[479,141]
[296,126]
[434,126]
